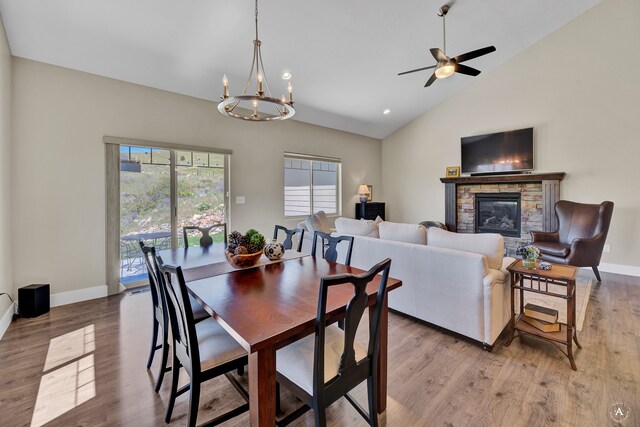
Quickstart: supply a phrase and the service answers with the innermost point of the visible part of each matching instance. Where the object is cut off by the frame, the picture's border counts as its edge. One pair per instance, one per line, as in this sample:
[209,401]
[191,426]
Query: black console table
[370,210]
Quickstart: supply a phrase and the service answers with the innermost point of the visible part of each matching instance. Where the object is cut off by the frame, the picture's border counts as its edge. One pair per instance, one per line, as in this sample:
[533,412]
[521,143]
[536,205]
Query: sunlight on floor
[68,347]
[68,386]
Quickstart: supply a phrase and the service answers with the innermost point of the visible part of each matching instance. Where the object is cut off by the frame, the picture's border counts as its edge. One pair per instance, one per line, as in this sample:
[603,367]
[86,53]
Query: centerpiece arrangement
[244,250]
[531,254]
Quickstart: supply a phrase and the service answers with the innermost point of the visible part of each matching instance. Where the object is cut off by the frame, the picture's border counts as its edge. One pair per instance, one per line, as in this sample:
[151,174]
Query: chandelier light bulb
[225,82]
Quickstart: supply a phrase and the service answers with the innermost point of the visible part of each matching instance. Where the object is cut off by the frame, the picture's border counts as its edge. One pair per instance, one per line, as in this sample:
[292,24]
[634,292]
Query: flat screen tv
[502,152]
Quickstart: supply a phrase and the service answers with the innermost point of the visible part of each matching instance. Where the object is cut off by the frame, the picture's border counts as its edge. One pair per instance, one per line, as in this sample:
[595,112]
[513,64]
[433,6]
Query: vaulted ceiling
[344,55]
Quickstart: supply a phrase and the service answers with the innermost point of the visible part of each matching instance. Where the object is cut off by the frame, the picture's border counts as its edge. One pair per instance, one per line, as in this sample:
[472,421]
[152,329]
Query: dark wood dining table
[270,306]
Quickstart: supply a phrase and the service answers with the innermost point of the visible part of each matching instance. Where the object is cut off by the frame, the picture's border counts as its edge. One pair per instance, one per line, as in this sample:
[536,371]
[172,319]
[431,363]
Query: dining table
[271,305]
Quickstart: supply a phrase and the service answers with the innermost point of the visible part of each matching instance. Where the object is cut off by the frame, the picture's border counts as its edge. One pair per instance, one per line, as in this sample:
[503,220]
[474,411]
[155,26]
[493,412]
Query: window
[311,184]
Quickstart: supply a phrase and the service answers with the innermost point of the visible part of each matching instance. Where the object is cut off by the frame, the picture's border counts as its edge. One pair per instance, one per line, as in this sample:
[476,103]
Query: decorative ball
[274,250]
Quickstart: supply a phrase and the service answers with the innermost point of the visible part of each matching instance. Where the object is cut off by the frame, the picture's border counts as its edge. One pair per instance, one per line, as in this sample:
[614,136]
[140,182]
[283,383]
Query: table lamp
[363,192]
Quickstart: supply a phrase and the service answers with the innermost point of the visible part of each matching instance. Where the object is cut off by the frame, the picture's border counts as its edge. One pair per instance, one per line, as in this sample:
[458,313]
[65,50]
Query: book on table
[541,324]
[538,312]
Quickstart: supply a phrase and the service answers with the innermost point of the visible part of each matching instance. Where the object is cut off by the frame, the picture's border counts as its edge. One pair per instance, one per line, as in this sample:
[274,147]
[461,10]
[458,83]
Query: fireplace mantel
[505,179]
[548,184]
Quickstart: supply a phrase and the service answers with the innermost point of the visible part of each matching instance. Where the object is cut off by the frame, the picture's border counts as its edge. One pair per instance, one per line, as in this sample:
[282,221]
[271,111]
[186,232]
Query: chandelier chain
[257,20]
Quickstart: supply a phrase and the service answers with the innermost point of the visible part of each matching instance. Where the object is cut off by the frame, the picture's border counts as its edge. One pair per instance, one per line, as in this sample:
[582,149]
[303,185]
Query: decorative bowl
[545,266]
[243,261]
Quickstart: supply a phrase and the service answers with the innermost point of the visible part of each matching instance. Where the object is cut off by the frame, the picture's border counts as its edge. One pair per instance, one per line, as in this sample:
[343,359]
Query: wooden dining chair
[205,350]
[160,312]
[288,242]
[330,246]
[206,239]
[320,369]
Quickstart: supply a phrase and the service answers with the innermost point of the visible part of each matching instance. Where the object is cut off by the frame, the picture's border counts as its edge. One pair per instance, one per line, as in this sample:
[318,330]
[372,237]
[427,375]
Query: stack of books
[543,318]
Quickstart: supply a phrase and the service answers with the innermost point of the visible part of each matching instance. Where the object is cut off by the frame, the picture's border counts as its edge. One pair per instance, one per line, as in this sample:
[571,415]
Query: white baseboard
[6,319]
[85,294]
[627,270]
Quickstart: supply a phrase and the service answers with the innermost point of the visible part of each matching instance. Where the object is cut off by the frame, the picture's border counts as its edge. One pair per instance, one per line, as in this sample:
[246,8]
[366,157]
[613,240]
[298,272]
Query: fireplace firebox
[498,213]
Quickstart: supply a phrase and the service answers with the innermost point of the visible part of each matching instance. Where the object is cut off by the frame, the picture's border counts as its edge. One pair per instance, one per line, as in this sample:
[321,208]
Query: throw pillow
[408,233]
[354,227]
[318,222]
[489,245]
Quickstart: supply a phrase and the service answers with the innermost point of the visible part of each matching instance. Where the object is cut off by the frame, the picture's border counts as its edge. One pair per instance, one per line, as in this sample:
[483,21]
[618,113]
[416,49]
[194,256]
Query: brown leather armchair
[579,240]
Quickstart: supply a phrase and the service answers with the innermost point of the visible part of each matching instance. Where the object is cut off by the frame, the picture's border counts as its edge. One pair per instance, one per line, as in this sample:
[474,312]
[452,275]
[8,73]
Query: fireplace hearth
[498,213]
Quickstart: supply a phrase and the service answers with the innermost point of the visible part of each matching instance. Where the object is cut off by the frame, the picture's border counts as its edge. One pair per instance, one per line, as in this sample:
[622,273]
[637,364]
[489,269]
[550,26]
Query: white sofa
[456,281]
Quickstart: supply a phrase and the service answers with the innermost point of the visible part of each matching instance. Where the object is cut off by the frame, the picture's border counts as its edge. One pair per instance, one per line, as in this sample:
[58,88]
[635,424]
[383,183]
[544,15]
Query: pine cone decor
[235,237]
[244,251]
[241,250]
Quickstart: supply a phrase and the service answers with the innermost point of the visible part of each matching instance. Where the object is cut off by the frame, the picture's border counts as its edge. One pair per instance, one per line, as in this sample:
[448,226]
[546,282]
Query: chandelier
[249,104]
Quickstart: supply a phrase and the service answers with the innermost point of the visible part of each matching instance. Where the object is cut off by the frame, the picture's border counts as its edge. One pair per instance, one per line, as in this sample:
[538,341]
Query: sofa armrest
[543,236]
[493,277]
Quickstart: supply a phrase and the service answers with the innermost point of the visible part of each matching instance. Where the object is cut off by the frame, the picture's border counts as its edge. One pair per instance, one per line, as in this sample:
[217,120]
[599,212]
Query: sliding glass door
[150,211]
[200,193]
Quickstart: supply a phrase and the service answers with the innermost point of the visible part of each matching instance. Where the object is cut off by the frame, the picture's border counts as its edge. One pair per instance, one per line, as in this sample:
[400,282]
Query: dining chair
[288,243]
[330,246]
[160,312]
[321,368]
[205,350]
[206,239]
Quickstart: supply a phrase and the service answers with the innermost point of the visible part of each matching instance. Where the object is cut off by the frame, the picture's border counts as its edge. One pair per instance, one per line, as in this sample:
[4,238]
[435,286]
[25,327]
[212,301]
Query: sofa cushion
[317,222]
[356,227]
[408,233]
[490,245]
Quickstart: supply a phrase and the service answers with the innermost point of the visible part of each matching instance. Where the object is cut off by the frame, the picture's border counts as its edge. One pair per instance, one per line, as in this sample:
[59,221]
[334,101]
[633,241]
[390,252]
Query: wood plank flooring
[435,378]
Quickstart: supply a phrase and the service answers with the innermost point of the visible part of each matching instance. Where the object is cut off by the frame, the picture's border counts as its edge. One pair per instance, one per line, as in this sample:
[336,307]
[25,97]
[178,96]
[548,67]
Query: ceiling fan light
[445,70]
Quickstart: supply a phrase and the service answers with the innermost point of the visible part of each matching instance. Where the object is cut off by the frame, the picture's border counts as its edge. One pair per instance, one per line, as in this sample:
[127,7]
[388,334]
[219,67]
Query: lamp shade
[363,189]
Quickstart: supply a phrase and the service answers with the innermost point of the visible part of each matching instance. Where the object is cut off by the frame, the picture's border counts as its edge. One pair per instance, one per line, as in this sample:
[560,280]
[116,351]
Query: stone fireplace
[498,213]
[512,205]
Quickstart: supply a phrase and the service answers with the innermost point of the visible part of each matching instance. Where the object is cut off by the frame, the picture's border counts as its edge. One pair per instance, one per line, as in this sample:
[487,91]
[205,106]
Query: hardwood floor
[98,378]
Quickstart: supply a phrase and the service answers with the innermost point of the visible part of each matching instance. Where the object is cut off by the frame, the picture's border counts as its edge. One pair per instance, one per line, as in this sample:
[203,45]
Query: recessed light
[286,76]
[386,111]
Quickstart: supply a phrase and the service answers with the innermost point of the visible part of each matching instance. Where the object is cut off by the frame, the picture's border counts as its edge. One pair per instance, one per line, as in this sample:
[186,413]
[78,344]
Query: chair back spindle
[288,241]
[206,239]
[330,246]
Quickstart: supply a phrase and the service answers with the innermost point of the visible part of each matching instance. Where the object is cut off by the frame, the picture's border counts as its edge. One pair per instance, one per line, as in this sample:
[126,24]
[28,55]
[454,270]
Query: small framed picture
[370,192]
[452,171]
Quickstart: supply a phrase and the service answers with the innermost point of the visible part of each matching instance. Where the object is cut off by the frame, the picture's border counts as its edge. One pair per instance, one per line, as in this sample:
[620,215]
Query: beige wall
[580,90]
[60,118]
[6,278]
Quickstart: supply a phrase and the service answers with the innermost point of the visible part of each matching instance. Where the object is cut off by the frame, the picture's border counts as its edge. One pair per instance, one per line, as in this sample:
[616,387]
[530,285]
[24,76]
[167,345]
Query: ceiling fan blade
[417,69]
[463,69]
[432,79]
[474,54]
[438,54]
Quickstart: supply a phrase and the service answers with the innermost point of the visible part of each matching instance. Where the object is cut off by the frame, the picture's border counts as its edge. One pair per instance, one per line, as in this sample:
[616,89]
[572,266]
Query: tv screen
[498,152]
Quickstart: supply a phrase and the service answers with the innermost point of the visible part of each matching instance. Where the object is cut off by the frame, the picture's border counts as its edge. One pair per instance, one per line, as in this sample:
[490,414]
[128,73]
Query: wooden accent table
[268,307]
[539,281]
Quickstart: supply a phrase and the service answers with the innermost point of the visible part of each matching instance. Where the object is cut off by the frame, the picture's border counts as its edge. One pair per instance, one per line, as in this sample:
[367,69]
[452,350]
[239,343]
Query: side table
[539,281]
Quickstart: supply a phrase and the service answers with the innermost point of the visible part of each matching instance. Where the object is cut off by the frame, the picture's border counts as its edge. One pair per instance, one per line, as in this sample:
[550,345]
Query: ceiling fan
[446,66]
